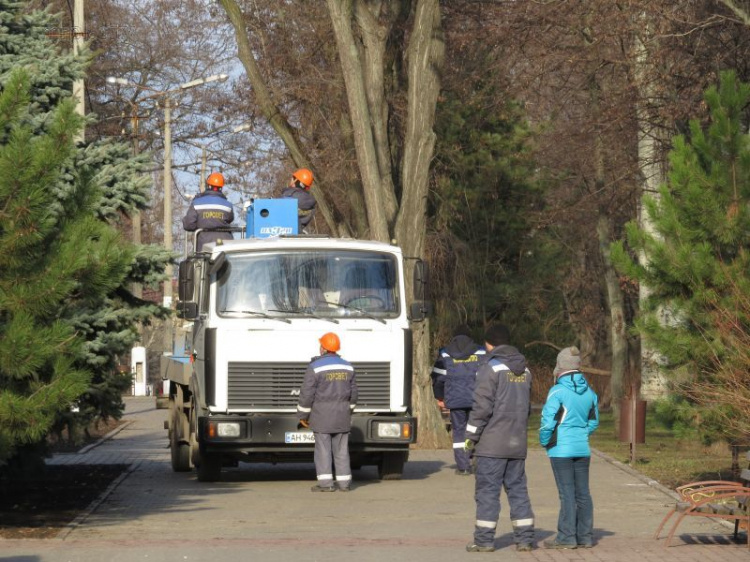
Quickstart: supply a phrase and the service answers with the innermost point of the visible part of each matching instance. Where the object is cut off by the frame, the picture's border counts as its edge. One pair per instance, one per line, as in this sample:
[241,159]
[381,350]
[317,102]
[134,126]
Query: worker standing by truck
[453,378]
[210,210]
[327,399]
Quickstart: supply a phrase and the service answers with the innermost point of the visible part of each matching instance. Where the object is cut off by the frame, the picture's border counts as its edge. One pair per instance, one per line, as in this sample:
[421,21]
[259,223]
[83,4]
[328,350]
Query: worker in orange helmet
[326,401]
[299,188]
[208,211]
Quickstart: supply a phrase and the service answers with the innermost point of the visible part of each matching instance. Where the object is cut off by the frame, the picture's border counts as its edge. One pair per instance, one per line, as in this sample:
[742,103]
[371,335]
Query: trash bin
[626,421]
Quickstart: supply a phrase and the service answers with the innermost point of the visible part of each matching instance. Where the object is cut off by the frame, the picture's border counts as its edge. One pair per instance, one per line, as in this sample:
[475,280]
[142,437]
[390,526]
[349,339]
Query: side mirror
[187,300]
[217,264]
[187,310]
[186,281]
[420,311]
[421,274]
[420,308]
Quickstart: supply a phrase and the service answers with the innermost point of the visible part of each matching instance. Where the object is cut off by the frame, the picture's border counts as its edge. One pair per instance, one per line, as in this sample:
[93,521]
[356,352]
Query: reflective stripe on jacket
[328,394]
[498,422]
[209,210]
[455,371]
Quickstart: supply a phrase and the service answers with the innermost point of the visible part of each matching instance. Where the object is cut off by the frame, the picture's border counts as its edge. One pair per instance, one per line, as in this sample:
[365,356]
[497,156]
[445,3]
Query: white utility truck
[253,311]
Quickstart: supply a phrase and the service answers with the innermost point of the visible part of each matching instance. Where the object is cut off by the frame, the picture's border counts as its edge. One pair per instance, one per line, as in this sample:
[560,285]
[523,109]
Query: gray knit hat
[569,359]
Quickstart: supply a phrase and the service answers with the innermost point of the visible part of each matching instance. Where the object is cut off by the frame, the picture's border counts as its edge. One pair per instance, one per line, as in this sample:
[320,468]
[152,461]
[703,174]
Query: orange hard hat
[304,176]
[216,180]
[330,342]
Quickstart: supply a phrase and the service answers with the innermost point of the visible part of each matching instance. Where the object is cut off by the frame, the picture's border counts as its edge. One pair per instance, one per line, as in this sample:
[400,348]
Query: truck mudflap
[280,435]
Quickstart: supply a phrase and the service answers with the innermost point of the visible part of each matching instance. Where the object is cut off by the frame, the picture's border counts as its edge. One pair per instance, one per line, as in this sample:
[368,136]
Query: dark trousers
[459,417]
[332,450]
[491,477]
[575,523]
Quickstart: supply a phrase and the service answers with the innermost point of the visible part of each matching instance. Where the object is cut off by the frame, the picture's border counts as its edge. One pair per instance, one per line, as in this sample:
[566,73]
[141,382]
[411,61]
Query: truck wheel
[178,431]
[180,455]
[391,465]
[209,470]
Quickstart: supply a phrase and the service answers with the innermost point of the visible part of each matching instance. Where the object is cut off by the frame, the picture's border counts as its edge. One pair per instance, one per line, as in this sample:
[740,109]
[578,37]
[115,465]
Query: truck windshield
[328,284]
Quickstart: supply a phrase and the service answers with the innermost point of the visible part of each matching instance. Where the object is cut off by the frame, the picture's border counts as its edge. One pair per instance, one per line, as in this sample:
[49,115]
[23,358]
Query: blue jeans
[575,524]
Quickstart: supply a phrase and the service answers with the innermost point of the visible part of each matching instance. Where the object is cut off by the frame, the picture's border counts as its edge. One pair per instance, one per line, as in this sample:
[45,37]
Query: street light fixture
[168,293]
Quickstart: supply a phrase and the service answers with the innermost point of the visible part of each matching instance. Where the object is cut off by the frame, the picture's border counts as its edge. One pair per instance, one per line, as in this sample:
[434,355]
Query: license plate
[302,437]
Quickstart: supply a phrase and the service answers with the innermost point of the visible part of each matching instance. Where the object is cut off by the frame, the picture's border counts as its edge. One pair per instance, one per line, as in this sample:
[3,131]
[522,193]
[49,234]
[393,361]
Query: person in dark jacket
[569,416]
[497,432]
[453,377]
[209,210]
[326,401]
[299,188]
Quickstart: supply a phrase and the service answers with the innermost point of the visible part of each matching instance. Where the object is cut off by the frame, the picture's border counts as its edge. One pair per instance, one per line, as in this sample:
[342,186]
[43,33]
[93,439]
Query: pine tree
[483,207]
[66,315]
[696,261]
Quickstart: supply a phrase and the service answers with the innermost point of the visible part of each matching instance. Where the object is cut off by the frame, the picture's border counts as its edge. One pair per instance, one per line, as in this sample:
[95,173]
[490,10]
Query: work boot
[473,547]
[463,472]
[317,488]
[524,547]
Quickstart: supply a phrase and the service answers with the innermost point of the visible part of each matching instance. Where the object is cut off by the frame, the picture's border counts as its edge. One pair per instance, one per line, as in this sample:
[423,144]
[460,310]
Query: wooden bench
[720,499]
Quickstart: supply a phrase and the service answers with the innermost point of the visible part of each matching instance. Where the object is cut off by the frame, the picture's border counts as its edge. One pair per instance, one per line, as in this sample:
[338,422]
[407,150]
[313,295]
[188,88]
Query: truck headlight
[394,430]
[224,429]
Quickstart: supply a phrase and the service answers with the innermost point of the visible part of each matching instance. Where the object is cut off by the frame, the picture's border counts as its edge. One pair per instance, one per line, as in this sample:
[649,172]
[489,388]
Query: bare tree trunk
[272,112]
[341,12]
[651,167]
[616,302]
[425,59]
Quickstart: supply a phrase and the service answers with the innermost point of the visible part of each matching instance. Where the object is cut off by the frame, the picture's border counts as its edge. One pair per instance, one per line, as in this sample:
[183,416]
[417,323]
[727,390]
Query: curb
[650,482]
[109,435]
[632,472]
[78,521]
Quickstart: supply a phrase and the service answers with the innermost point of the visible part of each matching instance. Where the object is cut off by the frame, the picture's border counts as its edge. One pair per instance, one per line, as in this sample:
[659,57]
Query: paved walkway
[267,513]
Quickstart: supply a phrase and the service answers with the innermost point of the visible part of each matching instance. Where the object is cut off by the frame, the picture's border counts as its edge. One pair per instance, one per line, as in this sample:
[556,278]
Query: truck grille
[275,386]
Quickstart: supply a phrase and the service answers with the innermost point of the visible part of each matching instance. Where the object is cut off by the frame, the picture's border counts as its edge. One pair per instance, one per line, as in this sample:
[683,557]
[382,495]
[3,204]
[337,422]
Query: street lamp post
[168,293]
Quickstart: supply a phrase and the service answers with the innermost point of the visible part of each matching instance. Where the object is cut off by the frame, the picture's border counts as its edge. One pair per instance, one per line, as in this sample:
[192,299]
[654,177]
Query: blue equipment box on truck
[271,217]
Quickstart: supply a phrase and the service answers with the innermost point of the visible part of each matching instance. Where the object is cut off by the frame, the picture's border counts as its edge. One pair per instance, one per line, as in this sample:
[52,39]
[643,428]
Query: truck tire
[209,470]
[180,453]
[179,428]
[391,465]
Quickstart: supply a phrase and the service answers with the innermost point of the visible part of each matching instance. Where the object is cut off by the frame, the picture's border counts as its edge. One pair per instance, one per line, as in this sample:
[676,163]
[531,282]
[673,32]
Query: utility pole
[202,186]
[79,32]
[168,197]
[134,122]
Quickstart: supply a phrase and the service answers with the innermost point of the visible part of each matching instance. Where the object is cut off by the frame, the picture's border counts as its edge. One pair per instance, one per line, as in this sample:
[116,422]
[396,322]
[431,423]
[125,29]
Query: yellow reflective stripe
[522,522]
[486,524]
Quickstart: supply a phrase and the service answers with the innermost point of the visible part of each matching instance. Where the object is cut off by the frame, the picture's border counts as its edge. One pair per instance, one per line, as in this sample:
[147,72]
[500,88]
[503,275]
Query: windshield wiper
[255,313]
[362,312]
[308,313]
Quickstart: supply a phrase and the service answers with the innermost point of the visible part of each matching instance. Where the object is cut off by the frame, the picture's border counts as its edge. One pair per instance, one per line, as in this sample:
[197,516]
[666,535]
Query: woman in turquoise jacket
[569,416]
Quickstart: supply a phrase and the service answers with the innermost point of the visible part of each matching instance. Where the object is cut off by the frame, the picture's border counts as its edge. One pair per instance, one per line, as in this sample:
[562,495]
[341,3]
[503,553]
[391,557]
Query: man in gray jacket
[497,432]
[326,400]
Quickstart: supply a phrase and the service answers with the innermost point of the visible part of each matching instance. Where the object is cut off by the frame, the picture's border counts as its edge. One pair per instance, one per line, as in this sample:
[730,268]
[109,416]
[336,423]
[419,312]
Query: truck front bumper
[269,434]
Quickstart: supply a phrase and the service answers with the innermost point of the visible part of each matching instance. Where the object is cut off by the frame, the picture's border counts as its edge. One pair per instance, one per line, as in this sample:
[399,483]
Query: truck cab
[253,311]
